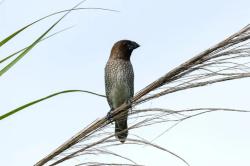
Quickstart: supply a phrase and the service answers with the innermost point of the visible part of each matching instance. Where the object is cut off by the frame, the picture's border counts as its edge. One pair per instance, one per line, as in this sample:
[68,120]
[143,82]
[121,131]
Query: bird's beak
[135,45]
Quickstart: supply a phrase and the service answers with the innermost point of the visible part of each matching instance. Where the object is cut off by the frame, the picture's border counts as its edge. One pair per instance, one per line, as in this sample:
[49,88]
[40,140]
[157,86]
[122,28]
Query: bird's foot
[109,116]
[129,102]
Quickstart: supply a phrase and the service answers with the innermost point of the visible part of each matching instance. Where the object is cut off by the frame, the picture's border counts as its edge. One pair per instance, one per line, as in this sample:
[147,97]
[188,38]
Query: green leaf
[4,41]
[13,35]
[42,99]
[17,52]
[12,63]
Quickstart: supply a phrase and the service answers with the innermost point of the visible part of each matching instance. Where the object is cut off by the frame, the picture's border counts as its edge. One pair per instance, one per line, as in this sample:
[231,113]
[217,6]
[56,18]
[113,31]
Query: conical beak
[135,45]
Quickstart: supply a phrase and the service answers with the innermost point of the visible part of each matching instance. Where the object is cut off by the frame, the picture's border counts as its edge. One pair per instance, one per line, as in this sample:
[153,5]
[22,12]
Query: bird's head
[123,49]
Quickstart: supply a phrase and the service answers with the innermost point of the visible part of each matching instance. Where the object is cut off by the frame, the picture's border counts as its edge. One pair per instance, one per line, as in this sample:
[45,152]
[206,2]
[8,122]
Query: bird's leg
[108,116]
[129,102]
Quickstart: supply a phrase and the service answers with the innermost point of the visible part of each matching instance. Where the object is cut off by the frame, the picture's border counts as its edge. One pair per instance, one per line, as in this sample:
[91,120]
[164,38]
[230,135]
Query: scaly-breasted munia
[119,82]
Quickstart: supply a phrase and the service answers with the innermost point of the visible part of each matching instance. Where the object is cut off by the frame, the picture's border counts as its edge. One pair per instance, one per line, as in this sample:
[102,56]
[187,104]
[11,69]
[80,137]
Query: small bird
[119,82]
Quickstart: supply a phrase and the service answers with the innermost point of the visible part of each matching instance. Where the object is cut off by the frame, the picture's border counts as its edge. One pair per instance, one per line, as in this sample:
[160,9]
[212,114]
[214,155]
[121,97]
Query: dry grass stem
[227,60]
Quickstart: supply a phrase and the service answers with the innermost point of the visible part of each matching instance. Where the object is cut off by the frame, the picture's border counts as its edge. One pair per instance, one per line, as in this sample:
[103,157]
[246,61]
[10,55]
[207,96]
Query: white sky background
[169,33]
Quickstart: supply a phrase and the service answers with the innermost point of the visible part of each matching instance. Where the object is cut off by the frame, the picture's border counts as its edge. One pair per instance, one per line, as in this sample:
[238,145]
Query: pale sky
[169,33]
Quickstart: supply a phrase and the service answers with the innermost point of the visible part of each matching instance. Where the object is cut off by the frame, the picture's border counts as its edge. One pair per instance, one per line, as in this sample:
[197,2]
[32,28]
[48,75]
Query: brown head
[123,49]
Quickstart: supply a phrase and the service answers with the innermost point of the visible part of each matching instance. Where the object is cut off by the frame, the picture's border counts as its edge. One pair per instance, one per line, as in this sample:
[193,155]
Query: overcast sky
[169,33]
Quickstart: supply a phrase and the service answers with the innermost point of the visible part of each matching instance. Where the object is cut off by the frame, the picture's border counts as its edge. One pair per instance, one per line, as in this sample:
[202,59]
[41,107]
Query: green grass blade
[17,52]
[12,63]
[4,41]
[11,36]
[44,98]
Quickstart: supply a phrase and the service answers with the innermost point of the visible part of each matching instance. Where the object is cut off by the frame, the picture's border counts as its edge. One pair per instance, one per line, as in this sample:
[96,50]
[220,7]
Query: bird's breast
[121,79]
[120,94]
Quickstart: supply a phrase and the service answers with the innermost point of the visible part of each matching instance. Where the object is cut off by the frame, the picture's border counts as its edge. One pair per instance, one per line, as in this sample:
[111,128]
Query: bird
[119,83]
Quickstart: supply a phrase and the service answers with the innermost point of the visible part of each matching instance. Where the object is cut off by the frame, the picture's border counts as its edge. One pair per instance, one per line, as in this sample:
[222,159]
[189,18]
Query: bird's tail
[121,127]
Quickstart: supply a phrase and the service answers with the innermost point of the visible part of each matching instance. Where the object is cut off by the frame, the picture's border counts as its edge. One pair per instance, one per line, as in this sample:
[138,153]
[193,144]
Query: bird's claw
[109,116]
[129,102]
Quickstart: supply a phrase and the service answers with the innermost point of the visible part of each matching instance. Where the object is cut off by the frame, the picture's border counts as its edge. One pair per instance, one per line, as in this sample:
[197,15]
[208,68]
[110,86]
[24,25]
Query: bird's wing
[108,83]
